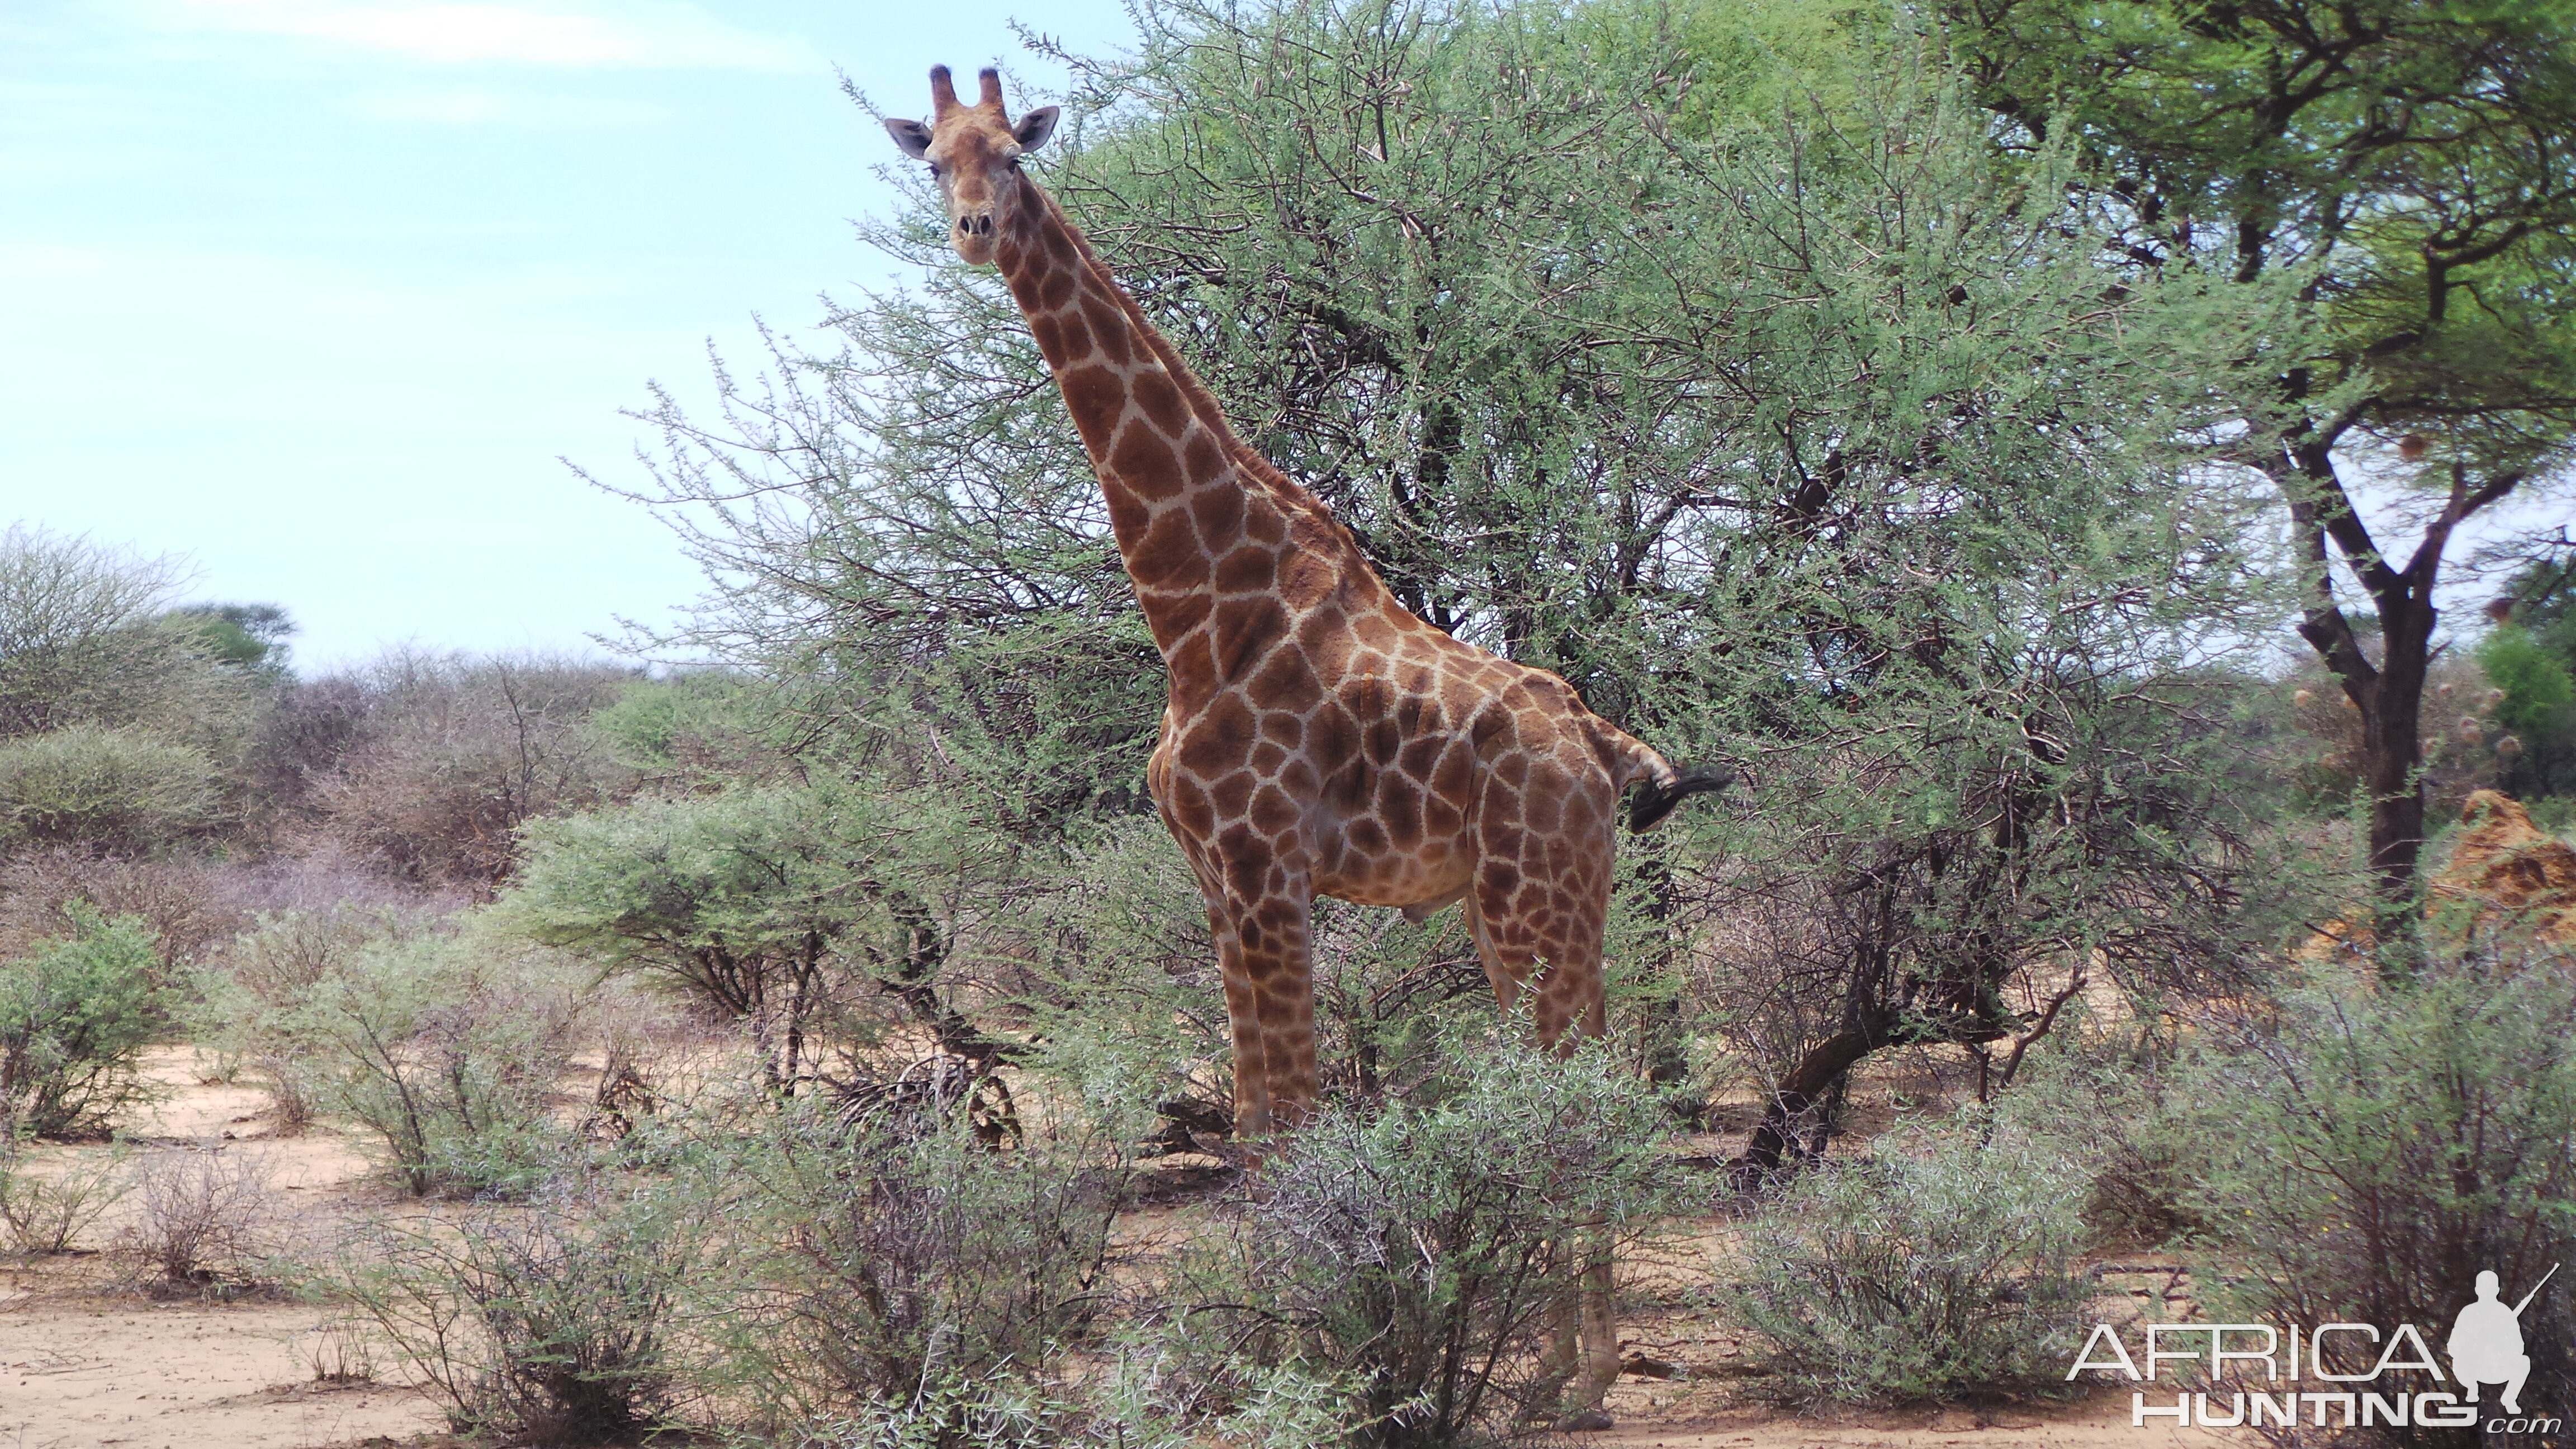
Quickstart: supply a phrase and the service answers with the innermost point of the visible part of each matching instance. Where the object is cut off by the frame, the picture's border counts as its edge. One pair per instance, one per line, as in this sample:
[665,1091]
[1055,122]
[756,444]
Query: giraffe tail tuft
[1658,794]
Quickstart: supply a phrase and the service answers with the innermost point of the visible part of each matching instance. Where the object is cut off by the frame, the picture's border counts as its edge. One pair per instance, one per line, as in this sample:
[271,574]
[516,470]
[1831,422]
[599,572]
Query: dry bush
[454,755]
[191,904]
[48,1213]
[310,726]
[342,1351]
[874,1268]
[324,875]
[205,1221]
[552,1325]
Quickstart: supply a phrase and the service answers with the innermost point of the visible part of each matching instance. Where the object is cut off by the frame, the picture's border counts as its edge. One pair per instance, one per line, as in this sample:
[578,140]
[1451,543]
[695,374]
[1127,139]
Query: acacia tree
[1821,442]
[2413,167]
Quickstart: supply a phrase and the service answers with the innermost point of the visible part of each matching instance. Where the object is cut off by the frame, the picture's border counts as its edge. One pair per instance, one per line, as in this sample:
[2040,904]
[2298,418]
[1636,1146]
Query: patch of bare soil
[77,1374]
[86,1359]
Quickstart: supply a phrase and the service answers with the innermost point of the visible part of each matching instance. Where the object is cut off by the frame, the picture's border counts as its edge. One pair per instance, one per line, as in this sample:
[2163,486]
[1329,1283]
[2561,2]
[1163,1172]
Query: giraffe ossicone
[1318,738]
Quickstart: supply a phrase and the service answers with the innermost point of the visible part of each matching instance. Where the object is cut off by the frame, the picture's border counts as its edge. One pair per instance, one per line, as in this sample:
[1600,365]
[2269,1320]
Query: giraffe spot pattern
[1318,738]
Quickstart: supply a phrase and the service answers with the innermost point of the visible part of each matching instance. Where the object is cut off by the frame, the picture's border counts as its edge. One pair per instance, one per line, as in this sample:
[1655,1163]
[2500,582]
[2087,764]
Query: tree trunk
[2393,748]
[2390,692]
[1815,1074]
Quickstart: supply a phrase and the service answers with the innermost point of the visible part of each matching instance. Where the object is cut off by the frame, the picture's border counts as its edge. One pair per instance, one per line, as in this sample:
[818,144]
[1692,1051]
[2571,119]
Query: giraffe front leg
[1243,1020]
[1270,1008]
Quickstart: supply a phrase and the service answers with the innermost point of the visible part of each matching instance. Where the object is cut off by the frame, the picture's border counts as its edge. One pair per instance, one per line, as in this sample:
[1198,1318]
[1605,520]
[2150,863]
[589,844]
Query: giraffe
[1318,738]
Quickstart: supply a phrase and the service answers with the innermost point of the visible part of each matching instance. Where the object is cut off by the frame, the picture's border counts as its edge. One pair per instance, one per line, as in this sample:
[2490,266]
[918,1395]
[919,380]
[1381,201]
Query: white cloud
[652,34]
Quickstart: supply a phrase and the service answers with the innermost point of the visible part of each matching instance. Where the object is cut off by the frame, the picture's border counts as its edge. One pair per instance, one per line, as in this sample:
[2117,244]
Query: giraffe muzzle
[979,224]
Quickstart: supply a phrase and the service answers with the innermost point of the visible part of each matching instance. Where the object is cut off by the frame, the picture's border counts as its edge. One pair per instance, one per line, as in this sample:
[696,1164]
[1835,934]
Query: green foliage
[245,1007]
[2365,1154]
[249,637]
[1135,1401]
[2538,689]
[694,728]
[2407,163]
[550,1325]
[1812,436]
[1419,1254]
[76,1013]
[1933,1267]
[445,1046]
[2532,658]
[2409,153]
[791,910]
[122,789]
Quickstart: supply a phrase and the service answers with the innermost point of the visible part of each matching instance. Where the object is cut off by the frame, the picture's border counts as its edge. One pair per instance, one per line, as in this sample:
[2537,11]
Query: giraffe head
[975,153]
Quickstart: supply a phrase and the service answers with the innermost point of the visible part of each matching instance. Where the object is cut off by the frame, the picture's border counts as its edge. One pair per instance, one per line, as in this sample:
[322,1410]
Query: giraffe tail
[1659,785]
[1659,796]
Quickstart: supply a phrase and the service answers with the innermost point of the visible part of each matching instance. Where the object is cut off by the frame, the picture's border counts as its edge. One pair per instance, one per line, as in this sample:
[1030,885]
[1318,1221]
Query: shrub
[1422,1254]
[550,1325]
[448,1059]
[445,1046]
[249,1005]
[2366,1153]
[205,1221]
[877,1269]
[1133,1402]
[119,788]
[84,641]
[822,919]
[188,902]
[76,1013]
[48,1213]
[453,755]
[1931,1268]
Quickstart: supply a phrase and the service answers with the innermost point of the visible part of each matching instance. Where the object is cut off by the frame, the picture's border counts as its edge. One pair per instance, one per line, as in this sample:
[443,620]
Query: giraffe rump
[1656,798]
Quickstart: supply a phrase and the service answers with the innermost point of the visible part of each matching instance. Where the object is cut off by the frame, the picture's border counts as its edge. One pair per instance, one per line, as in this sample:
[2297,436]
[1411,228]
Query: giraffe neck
[1200,518]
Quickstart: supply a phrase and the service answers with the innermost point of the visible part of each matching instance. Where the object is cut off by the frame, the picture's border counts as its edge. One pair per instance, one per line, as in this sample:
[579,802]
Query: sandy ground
[182,1377]
[87,1359]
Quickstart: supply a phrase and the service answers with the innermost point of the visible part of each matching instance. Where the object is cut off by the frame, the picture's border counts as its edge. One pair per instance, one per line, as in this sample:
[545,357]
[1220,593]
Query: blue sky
[315,292]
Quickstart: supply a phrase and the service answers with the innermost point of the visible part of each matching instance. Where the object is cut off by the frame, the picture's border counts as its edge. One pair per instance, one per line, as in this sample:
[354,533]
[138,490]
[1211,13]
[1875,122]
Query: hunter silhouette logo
[2485,1347]
[2486,1341]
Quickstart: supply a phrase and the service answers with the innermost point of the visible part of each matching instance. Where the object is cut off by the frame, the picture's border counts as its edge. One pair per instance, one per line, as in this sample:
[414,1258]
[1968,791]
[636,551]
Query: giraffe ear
[1034,128]
[912,136]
